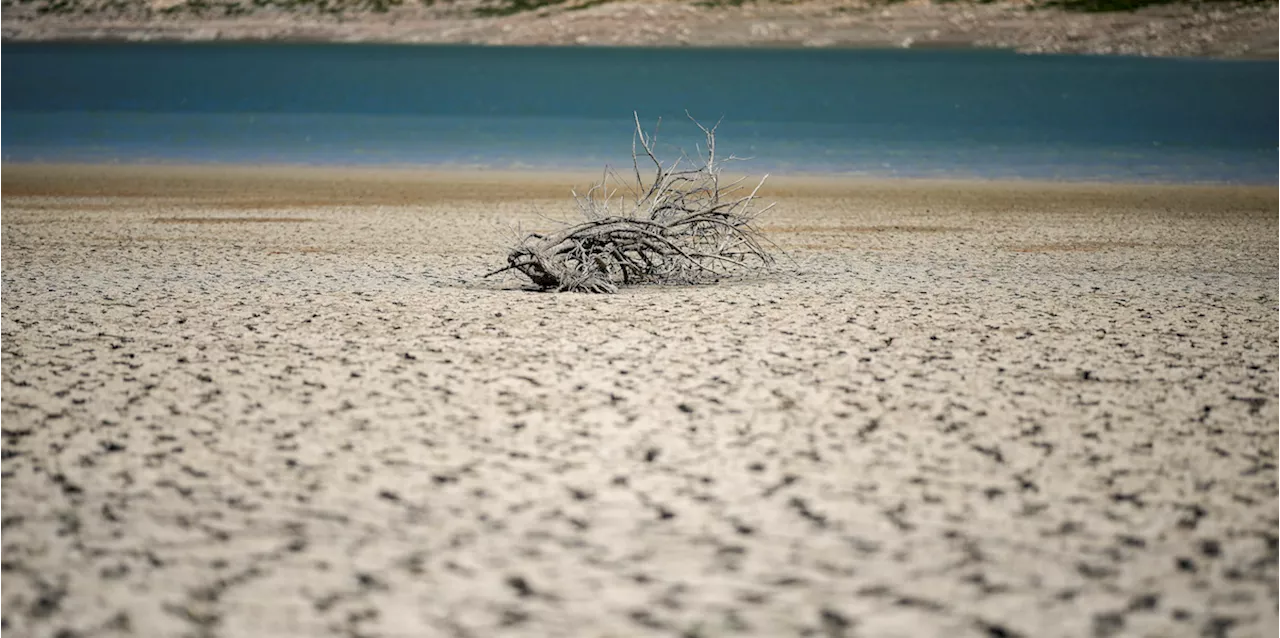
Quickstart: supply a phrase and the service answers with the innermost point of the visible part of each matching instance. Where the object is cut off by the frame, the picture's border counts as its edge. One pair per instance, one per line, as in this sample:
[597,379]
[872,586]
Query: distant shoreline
[1220,30]
[129,37]
[90,176]
[870,46]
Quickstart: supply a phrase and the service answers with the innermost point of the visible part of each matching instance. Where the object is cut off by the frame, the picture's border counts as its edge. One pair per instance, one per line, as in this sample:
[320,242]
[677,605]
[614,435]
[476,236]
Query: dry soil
[277,402]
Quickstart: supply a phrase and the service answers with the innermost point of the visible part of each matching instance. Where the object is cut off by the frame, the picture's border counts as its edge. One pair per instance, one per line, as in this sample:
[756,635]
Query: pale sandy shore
[283,402]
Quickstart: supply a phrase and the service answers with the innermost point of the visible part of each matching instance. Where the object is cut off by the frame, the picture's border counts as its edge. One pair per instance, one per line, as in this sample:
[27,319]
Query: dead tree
[682,227]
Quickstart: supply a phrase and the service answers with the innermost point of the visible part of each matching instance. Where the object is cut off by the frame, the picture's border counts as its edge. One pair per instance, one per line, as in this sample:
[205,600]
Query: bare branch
[682,229]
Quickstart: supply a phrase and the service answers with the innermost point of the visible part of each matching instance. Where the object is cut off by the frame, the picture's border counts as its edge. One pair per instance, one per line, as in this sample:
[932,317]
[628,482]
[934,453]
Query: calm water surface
[981,114]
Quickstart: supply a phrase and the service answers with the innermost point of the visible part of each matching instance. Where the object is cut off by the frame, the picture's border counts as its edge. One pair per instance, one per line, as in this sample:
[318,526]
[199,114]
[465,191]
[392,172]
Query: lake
[903,113]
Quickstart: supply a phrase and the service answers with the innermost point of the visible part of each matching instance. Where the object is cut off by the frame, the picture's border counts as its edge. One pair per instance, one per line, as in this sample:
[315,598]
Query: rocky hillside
[1135,27]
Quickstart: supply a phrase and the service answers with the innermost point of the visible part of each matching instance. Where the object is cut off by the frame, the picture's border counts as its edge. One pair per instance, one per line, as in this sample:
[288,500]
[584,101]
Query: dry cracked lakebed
[283,403]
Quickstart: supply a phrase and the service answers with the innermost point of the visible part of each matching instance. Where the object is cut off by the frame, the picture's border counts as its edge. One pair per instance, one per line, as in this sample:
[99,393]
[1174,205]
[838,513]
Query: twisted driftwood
[682,227]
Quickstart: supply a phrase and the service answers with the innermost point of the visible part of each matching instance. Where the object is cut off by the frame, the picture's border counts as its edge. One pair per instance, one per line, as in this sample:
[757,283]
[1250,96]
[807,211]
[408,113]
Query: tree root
[683,227]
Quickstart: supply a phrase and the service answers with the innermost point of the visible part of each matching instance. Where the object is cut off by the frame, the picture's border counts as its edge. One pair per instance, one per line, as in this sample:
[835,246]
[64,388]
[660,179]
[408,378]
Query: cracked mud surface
[281,403]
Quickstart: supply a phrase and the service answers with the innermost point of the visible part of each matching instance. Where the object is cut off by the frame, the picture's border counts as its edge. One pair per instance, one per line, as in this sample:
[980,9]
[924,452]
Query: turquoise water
[984,114]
